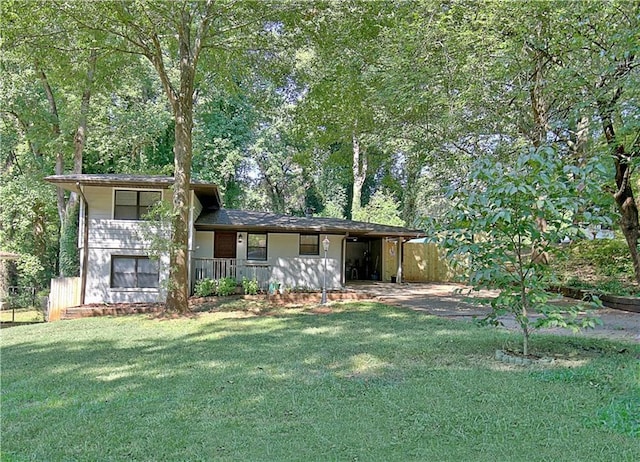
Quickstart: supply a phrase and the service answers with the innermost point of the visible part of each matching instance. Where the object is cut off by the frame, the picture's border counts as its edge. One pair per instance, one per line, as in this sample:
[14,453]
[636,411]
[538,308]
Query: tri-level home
[119,263]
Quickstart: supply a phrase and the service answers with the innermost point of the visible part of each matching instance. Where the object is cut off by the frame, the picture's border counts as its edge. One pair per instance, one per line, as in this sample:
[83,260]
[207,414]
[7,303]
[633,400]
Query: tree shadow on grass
[133,388]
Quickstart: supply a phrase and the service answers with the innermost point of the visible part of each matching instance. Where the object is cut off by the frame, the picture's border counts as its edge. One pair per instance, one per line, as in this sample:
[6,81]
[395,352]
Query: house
[116,245]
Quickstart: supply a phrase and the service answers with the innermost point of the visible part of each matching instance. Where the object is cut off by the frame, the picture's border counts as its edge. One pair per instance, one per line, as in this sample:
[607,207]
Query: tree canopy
[354,109]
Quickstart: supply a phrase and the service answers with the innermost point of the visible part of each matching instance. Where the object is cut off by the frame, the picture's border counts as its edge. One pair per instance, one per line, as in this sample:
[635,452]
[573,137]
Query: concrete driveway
[458,301]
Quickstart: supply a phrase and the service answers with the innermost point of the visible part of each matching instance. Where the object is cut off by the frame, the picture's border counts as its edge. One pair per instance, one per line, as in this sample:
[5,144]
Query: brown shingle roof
[240,220]
[243,220]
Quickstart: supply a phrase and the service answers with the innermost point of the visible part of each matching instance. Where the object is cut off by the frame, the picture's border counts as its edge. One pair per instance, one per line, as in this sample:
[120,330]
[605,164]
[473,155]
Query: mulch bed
[210,303]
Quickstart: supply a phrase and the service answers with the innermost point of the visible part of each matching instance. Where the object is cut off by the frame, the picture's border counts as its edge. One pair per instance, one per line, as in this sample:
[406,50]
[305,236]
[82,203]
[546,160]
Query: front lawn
[362,382]
[21,315]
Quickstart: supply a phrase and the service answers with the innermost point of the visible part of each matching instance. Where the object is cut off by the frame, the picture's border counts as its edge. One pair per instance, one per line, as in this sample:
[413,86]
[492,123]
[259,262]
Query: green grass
[26,315]
[366,382]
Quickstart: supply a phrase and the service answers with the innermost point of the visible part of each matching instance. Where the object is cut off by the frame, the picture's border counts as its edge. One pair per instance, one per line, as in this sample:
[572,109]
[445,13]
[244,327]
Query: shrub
[205,288]
[226,286]
[250,286]
[609,256]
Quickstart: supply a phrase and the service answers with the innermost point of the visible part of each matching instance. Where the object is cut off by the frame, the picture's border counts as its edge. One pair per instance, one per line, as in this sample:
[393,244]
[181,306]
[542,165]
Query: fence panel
[65,293]
[423,263]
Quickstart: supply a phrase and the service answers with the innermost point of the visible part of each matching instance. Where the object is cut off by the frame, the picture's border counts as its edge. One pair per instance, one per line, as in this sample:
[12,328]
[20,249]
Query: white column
[399,262]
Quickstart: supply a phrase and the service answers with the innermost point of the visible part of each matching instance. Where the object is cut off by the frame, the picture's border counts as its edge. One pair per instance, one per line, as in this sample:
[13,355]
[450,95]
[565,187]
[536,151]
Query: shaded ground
[439,299]
[456,301]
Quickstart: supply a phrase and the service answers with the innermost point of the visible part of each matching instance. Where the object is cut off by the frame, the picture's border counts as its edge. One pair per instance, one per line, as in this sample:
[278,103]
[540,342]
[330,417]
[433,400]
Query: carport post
[399,262]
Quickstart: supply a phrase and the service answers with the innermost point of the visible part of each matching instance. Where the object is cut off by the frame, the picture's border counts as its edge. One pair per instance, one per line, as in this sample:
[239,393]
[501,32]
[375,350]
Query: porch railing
[261,272]
[218,268]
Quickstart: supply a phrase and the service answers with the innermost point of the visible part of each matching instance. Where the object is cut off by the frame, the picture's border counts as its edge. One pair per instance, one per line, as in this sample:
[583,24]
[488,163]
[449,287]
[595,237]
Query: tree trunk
[627,206]
[578,139]
[538,104]
[4,280]
[539,107]
[80,137]
[178,293]
[191,37]
[55,128]
[413,168]
[524,319]
[538,135]
[79,140]
[182,104]
[624,192]
[359,167]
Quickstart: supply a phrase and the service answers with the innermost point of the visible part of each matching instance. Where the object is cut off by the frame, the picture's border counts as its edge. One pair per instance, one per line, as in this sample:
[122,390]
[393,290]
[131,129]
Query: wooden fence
[423,262]
[65,293]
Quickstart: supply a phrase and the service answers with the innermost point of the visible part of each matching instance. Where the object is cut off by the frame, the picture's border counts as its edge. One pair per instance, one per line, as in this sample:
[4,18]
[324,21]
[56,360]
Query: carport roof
[244,220]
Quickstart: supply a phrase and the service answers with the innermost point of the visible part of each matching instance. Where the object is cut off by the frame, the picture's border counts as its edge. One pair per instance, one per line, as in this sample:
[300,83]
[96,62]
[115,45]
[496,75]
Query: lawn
[363,382]
[21,315]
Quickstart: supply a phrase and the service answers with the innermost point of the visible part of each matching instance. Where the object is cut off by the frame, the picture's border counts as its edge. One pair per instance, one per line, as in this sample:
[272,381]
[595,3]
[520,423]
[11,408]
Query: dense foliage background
[354,109]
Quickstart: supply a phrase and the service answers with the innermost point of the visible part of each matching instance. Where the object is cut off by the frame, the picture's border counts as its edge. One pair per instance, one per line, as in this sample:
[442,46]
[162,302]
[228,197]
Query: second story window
[133,205]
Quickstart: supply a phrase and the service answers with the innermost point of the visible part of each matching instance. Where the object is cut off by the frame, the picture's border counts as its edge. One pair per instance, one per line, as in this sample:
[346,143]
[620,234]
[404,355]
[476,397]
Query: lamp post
[325,246]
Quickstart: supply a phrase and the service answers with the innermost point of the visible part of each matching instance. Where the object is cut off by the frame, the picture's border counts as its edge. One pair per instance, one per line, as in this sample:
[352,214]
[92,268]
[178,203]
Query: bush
[226,286]
[250,286]
[221,287]
[23,297]
[205,288]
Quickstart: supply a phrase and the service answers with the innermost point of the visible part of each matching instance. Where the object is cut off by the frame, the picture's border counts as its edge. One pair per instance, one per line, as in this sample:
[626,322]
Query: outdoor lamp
[239,238]
[325,246]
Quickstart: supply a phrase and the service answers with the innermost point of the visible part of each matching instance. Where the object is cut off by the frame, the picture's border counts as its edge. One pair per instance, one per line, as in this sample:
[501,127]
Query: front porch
[218,268]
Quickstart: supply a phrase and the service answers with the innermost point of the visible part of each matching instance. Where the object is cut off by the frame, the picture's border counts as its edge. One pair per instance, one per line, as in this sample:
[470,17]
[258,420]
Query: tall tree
[337,65]
[605,60]
[175,37]
[62,62]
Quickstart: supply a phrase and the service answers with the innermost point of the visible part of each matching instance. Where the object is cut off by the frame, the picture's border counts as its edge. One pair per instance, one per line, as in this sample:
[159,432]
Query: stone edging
[610,301]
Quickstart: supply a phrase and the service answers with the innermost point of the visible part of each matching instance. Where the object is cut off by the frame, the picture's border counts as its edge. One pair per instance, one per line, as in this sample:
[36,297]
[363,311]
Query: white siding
[108,237]
[123,234]
[99,280]
[204,244]
[194,212]
[283,245]
[100,202]
[293,270]
[197,207]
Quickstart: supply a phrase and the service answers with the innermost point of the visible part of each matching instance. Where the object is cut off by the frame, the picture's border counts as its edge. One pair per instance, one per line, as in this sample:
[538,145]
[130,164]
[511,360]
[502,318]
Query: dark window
[256,246]
[134,272]
[309,244]
[133,205]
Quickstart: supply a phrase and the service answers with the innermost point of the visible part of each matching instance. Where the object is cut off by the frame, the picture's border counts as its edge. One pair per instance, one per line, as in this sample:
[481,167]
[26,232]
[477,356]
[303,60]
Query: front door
[224,245]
